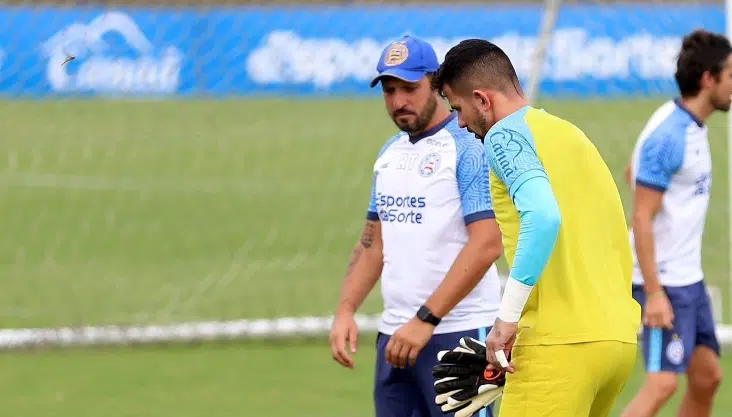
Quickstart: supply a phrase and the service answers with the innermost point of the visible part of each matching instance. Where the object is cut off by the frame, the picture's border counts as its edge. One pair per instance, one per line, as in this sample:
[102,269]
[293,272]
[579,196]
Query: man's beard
[721,104]
[482,127]
[421,121]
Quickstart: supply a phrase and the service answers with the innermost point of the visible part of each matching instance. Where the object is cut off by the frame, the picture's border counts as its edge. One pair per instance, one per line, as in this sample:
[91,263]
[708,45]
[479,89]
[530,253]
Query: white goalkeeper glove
[464,385]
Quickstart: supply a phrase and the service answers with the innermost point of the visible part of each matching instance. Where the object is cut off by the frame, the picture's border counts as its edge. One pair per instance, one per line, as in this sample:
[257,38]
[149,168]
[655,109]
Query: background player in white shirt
[670,172]
[430,234]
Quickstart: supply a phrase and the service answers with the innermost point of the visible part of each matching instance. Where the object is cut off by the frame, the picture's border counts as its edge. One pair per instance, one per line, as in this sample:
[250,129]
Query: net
[200,172]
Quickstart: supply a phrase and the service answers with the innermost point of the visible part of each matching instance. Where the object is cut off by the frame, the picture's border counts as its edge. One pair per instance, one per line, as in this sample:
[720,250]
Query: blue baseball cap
[408,59]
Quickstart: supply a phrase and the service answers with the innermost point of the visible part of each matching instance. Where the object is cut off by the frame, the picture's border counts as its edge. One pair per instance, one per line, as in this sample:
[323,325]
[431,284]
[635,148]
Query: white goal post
[551,11]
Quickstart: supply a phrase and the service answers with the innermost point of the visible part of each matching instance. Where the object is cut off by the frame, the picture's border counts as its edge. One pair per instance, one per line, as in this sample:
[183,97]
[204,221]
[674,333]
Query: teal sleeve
[513,158]
[540,220]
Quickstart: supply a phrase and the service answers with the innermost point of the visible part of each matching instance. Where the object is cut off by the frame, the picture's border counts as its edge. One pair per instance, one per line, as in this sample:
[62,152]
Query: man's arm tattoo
[355,254]
[367,238]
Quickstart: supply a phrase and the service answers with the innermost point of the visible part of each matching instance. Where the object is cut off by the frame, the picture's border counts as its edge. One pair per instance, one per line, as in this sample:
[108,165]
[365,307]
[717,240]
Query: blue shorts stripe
[655,343]
[670,350]
[482,334]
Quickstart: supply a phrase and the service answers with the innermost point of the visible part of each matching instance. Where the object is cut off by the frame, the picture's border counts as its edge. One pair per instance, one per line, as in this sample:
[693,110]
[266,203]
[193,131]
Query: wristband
[515,296]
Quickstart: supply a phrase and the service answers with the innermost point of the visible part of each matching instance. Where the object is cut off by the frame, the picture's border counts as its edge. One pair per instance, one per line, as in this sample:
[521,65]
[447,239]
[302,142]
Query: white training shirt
[672,155]
[426,190]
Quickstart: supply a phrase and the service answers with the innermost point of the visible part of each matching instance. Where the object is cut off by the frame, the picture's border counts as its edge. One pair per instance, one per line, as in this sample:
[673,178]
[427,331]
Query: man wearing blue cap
[430,235]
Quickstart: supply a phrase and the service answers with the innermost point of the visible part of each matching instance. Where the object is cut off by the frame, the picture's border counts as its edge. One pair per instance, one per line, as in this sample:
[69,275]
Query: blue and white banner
[604,51]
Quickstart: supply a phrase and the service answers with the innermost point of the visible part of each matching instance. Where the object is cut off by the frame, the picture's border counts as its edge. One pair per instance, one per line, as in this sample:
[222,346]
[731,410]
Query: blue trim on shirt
[372,215]
[372,201]
[481,215]
[471,171]
[662,153]
[431,131]
[681,106]
[651,186]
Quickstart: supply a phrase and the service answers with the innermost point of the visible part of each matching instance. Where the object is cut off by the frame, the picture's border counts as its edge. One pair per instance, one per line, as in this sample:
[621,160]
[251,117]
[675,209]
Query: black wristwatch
[426,316]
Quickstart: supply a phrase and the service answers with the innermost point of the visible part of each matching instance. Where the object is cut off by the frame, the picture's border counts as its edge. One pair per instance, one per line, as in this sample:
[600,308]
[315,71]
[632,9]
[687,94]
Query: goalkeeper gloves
[464,386]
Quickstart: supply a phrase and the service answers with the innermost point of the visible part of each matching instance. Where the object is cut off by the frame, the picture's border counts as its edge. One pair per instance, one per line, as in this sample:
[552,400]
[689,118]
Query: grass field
[165,211]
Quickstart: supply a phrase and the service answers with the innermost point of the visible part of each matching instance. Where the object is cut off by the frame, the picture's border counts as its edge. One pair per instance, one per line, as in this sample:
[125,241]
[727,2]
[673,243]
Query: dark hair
[701,51]
[477,63]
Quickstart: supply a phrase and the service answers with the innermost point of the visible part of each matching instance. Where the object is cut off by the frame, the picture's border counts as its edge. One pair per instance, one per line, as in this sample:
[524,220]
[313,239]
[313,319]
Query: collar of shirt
[434,129]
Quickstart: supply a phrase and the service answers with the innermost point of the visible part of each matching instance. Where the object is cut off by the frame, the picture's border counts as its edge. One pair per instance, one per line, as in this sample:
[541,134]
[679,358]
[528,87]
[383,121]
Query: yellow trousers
[576,380]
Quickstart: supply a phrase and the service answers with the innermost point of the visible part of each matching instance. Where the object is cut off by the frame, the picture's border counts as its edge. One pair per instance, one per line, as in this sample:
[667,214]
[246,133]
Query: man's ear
[481,99]
[707,80]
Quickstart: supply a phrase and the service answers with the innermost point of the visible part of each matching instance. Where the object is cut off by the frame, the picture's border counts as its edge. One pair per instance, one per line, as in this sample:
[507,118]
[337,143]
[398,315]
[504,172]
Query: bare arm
[661,156]
[364,269]
[482,250]
[647,204]
[355,256]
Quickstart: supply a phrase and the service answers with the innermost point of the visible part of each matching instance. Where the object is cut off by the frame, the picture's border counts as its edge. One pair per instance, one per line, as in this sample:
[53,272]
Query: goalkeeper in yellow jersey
[567,316]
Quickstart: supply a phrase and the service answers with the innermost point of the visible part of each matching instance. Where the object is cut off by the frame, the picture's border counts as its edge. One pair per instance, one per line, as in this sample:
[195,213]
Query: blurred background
[178,202]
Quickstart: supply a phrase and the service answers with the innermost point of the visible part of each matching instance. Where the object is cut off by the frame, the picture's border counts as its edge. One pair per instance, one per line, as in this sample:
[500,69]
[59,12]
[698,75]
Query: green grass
[262,380]
[121,212]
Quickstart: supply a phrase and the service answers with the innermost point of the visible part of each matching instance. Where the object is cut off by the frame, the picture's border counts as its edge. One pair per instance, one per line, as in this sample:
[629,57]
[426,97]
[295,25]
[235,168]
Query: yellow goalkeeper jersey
[584,293]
